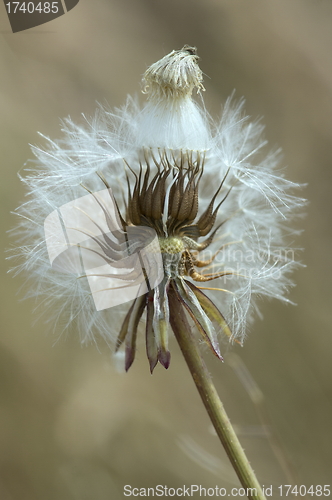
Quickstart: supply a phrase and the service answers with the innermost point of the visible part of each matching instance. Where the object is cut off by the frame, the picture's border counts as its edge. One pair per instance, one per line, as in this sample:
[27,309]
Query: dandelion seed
[217,206]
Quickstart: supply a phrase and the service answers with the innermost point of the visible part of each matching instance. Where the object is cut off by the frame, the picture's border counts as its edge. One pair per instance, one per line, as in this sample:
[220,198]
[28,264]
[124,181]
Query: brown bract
[167,201]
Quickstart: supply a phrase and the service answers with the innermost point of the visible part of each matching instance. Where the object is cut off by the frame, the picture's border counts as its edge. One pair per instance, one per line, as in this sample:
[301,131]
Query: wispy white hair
[256,214]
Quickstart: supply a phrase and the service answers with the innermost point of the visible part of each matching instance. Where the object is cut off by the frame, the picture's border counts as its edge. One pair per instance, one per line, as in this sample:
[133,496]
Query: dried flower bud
[171,118]
[174,76]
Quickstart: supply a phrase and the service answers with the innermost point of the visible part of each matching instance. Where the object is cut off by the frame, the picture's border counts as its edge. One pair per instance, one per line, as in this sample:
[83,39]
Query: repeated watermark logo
[26,15]
[85,237]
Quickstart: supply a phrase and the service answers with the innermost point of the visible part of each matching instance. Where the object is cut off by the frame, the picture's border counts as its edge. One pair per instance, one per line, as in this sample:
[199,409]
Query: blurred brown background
[71,426]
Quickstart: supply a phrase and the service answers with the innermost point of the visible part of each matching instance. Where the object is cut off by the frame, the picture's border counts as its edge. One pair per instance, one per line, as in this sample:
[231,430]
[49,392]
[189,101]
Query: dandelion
[212,203]
[216,203]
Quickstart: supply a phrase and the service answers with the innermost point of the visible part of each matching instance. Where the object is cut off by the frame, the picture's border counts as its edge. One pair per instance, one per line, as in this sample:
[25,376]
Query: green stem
[211,400]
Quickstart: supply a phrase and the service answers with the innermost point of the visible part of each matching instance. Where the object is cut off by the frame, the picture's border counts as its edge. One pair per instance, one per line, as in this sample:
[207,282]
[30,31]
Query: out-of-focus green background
[72,427]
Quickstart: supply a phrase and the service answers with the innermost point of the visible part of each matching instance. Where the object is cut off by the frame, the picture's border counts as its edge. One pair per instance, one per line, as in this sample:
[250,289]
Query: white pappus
[218,203]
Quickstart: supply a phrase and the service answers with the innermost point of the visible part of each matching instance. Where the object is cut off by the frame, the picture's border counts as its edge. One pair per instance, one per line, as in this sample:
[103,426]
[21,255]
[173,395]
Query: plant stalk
[211,400]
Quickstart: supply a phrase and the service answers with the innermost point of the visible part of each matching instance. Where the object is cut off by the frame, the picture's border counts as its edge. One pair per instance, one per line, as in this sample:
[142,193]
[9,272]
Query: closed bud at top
[175,75]
[171,118]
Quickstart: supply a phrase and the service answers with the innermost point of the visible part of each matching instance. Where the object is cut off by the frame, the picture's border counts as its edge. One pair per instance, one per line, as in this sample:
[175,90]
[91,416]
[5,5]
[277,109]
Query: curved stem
[211,400]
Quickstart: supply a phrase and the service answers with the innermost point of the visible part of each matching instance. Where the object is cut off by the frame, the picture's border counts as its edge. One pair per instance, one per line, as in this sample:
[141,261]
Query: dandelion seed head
[210,195]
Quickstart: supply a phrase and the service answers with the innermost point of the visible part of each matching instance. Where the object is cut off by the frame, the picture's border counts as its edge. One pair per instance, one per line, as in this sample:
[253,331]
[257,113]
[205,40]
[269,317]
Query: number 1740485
[31,7]
[318,490]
